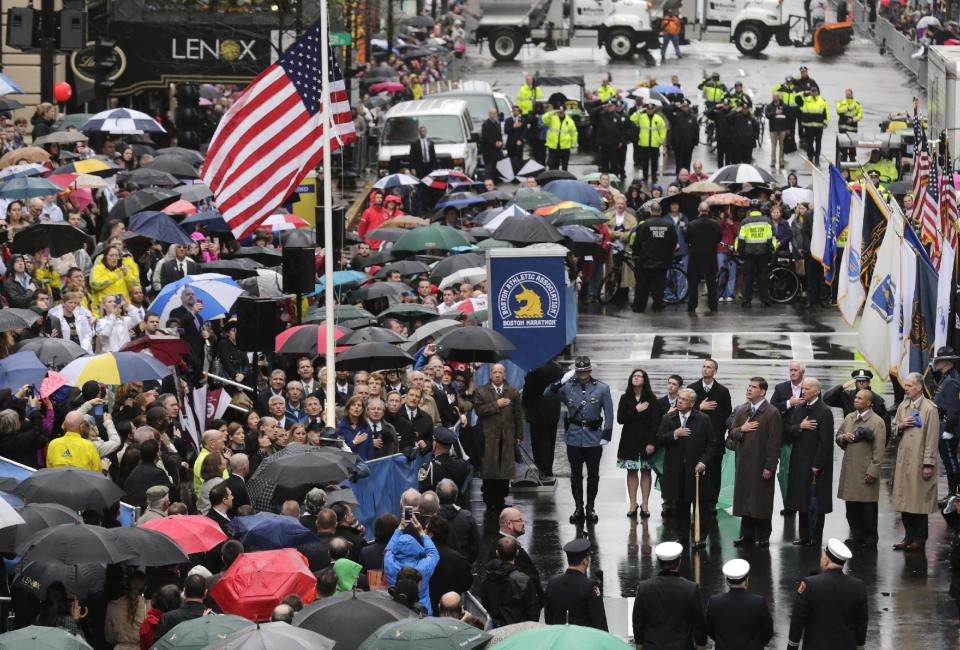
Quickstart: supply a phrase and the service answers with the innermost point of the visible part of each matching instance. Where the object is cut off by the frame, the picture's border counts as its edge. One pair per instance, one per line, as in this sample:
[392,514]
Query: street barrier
[896,43]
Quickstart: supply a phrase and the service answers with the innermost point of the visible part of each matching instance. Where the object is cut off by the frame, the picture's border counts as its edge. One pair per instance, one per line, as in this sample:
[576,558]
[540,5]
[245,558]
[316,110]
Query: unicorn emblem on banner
[530,301]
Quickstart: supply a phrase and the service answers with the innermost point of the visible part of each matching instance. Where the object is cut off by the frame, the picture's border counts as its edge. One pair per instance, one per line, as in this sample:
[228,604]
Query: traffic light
[188,116]
[105,62]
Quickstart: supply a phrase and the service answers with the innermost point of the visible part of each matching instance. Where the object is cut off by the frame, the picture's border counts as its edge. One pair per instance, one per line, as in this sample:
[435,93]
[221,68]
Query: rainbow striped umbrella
[114,368]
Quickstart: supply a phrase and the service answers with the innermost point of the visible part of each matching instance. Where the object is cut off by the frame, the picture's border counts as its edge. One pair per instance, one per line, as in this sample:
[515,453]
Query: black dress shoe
[803,541]
[763,543]
[744,541]
[592,515]
[577,516]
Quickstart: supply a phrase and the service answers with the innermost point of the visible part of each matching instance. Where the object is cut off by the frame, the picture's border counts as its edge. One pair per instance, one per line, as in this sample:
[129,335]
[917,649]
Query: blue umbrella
[218,293]
[212,220]
[22,170]
[28,188]
[668,89]
[159,226]
[266,530]
[578,191]
[341,278]
[21,369]
[458,200]
[8,85]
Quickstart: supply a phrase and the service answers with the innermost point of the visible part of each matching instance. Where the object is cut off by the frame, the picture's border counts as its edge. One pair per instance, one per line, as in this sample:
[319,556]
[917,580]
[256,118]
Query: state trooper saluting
[444,465]
[589,426]
[830,611]
[572,597]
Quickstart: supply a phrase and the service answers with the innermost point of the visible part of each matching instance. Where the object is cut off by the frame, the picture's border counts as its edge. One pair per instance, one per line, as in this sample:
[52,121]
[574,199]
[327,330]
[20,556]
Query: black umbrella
[36,517]
[474,344]
[14,318]
[78,489]
[371,335]
[350,617]
[60,237]
[147,547]
[238,269]
[378,258]
[387,234]
[689,203]
[150,199]
[275,634]
[74,544]
[81,580]
[300,237]
[190,155]
[319,467]
[376,102]
[194,192]
[373,356]
[530,229]
[555,175]
[173,165]
[416,54]
[449,265]
[148,177]
[55,352]
[266,256]
[7,104]
[497,195]
[405,267]
[419,21]
[392,290]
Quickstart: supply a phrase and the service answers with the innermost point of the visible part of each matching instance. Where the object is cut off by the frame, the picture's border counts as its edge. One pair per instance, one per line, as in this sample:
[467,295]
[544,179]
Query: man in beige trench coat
[862,437]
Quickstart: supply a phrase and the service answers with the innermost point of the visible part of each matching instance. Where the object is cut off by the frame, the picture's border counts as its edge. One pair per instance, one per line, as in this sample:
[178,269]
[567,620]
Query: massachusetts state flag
[272,137]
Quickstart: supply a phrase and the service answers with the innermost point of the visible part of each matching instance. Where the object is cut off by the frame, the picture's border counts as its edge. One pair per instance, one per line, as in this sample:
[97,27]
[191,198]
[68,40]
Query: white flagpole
[328,252]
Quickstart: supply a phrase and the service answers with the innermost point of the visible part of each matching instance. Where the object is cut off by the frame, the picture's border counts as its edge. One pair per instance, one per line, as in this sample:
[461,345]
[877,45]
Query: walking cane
[696,514]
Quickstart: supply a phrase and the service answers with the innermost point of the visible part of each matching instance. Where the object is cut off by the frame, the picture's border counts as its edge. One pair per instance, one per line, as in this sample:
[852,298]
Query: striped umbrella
[396,180]
[278,222]
[308,339]
[441,178]
[218,293]
[742,173]
[24,169]
[93,166]
[122,121]
[115,368]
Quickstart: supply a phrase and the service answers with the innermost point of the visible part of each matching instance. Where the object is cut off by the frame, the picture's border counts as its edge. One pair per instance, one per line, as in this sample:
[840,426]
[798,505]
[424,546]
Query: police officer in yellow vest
[561,137]
[714,92]
[814,117]
[651,134]
[849,114]
[883,166]
[756,244]
[528,95]
[606,91]
[788,95]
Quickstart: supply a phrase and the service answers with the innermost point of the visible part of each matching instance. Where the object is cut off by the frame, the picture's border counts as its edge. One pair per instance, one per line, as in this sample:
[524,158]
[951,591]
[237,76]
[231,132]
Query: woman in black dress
[639,413]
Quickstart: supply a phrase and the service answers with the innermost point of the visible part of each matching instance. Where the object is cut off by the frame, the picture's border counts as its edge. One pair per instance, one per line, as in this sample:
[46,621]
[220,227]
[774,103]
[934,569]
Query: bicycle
[783,283]
[675,290]
[710,128]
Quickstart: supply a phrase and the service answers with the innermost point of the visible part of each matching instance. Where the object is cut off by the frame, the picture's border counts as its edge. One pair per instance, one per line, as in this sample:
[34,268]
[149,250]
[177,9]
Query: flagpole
[328,252]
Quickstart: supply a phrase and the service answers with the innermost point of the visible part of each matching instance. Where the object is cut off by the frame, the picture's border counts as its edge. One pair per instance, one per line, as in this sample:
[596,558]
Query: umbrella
[266,256]
[237,269]
[487,244]
[53,382]
[349,618]
[373,356]
[393,291]
[268,530]
[448,265]
[168,350]
[81,580]
[405,221]
[89,181]
[60,137]
[317,466]
[155,199]
[194,192]
[192,533]
[158,226]
[27,169]
[458,200]
[728,199]
[474,344]
[419,21]
[21,369]
[405,267]
[928,21]
[507,213]
[74,543]
[281,221]
[7,104]
[432,237]
[434,329]
[471,275]
[527,230]
[218,293]
[256,582]
[13,318]
[409,311]
[191,155]
[35,517]
[742,173]
[114,368]
[147,176]
[274,635]
[530,200]
[704,187]
[28,187]
[386,234]
[198,633]
[555,175]
[496,195]
[24,155]
[391,181]
[441,178]
[37,637]
[510,172]
[426,634]
[340,313]
[389,86]
[78,489]
[61,238]
[584,240]
[342,279]
[574,191]
[372,335]
[794,195]
[180,208]
[265,284]
[92,166]
[689,203]
[212,220]
[9,517]
[563,637]
[304,237]
[147,547]
[501,633]
[122,121]
[307,339]
[173,165]
[668,89]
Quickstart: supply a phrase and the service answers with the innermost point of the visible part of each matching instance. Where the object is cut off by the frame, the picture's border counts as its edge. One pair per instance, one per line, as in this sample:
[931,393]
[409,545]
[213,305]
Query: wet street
[909,604]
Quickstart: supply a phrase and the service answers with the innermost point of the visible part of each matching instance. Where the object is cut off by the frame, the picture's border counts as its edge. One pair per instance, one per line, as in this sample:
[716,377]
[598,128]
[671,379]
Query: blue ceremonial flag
[835,222]
[924,323]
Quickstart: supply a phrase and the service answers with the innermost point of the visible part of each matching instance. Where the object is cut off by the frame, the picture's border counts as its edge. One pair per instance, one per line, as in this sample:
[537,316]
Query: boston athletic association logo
[529,299]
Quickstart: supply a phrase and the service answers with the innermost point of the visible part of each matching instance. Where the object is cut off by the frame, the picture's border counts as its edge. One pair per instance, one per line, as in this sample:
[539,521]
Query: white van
[449,127]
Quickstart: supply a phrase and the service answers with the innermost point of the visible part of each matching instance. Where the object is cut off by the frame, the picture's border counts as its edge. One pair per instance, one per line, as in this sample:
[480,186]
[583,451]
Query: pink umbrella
[81,198]
[181,207]
[284,222]
[390,86]
[53,382]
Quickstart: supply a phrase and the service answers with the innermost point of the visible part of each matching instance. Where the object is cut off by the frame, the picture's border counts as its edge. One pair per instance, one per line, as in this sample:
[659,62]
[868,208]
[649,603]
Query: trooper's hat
[862,374]
[582,364]
[946,353]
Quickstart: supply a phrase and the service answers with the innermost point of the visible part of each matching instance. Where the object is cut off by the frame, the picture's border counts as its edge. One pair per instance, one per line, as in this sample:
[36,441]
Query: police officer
[668,610]
[651,134]
[572,597]
[589,426]
[788,94]
[684,133]
[849,114]
[756,243]
[443,464]
[738,97]
[561,137]
[654,243]
[606,91]
[814,118]
[611,130]
[738,619]
[528,95]
[805,82]
[720,114]
[714,92]
[830,610]
[841,396]
[947,400]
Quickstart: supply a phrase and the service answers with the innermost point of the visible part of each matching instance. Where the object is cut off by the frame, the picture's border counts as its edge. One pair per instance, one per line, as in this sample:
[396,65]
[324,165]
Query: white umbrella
[122,121]
[507,213]
[470,275]
[509,174]
[794,195]
[928,21]
[9,516]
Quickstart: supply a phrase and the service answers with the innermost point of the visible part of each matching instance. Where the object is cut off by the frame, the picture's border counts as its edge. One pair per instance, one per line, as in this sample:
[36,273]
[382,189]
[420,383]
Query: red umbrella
[256,583]
[193,533]
[308,339]
[168,350]
[181,207]
[390,86]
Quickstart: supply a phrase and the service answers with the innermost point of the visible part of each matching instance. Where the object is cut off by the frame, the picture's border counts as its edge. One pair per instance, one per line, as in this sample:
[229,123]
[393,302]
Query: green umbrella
[37,637]
[341,313]
[426,634]
[530,200]
[487,244]
[594,179]
[434,237]
[577,217]
[409,311]
[198,633]
[563,637]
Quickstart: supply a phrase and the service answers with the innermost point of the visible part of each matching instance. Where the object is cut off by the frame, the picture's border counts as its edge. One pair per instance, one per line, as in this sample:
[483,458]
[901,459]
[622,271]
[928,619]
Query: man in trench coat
[862,437]
[500,418]
[756,433]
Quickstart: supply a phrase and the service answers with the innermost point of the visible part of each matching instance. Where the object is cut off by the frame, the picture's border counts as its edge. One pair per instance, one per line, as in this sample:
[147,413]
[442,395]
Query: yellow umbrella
[114,368]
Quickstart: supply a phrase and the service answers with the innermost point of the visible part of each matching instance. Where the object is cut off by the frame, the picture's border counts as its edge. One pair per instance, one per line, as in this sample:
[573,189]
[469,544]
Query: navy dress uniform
[443,464]
[738,619]
[572,597]
[842,397]
[947,400]
[589,426]
[668,610]
[830,610]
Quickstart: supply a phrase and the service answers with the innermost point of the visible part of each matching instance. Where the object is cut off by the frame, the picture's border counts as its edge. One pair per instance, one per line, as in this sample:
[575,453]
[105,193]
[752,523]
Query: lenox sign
[199,49]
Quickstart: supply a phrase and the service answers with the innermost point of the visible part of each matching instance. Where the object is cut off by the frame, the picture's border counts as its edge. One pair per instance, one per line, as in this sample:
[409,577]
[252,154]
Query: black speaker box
[339,217]
[299,270]
[21,24]
[73,30]
[258,323]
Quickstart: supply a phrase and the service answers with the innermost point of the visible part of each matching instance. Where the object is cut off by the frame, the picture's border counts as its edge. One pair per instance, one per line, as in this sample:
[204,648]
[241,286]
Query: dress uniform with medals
[443,465]
[738,619]
[572,597]
[830,610]
[668,611]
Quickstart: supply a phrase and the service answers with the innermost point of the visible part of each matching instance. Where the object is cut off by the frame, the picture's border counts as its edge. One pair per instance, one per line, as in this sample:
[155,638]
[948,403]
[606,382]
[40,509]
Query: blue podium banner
[528,302]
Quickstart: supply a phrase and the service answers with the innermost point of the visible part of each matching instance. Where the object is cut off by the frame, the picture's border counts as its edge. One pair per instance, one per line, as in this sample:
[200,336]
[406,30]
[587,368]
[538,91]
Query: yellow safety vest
[526,97]
[560,134]
[815,112]
[712,91]
[606,91]
[653,131]
[852,109]
[787,93]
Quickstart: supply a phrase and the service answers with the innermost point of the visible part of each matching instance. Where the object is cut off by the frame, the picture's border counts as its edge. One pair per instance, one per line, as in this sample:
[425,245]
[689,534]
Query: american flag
[949,212]
[921,168]
[930,217]
[272,136]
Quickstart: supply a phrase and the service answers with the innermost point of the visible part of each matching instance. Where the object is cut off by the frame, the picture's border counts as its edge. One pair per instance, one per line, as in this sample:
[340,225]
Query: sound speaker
[339,217]
[22,22]
[258,323]
[73,30]
[299,270]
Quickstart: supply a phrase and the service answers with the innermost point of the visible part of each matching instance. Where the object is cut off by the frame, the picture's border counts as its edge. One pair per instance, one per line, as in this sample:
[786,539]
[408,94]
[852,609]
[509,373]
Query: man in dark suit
[491,143]
[691,446]
[667,404]
[420,435]
[668,610]
[423,155]
[786,397]
[316,552]
[516,128]
[278,386]
[194,591]
[703,236]
[191,322]
[738,619]
[237,482]
[221,500]
[713,399]
[145,475]
[177,267]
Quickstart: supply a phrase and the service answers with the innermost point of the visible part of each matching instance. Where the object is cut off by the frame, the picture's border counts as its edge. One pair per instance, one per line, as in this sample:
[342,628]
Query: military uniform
[441,467]
[843,399]
[572,597]
[829,613]
[947,400]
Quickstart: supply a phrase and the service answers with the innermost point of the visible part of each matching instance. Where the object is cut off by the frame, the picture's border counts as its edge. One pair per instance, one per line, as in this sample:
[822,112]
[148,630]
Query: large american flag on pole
[272,137]
[930,218]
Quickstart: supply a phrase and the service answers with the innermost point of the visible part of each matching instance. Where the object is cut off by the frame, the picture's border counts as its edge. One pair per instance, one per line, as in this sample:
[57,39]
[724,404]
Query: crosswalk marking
[642,349]
[802,346]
